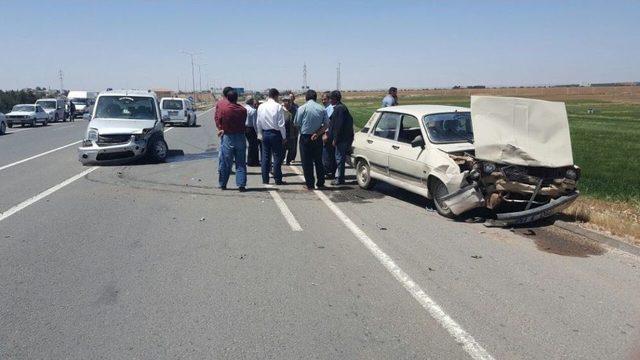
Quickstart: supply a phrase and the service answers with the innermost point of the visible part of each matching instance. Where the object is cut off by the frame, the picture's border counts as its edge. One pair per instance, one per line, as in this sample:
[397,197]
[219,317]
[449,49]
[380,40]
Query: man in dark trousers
[72,111]
[251,134]
[311,119]
[230,121]
[340,134]
[270,126]
[328,153]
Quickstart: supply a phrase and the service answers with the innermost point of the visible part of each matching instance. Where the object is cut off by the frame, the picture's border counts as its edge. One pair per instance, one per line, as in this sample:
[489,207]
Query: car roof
[24,105]
[48,99]
[128,93]
[422,110]
[173,98]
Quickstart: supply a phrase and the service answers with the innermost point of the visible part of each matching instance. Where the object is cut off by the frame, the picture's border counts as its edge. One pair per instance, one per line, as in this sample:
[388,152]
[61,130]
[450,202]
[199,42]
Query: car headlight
[573,173]
[92,134]
[488,168]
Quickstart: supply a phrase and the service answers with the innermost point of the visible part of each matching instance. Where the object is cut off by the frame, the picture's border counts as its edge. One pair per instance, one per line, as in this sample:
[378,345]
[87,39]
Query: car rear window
[172,104]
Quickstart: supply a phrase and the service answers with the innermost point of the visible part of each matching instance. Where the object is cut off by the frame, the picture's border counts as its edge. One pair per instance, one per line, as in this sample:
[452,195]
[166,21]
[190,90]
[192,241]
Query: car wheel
[45,123]
[157,150]
[3,128]
[10,125]
[438,189]
[363,175]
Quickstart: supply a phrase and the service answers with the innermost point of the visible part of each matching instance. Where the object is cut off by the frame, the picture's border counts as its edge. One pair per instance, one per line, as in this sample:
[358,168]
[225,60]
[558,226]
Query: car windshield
[24,108]
[47,104]
[449,127]
[126,107]
[172,104]
[79,101]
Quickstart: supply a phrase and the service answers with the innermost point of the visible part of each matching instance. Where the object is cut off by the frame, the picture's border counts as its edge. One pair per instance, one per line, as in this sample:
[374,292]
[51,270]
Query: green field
[606,144]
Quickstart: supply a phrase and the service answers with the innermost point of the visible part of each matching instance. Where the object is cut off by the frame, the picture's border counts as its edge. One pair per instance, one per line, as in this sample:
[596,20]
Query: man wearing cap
[312,121]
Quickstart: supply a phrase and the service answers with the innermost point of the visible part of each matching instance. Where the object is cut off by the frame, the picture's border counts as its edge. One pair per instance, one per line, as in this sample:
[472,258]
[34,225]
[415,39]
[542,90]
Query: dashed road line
[469,344]
[38,155]
[44,194]
[284,209]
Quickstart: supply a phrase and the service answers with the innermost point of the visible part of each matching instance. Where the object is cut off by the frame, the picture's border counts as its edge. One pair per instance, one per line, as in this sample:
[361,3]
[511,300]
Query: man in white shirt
[251,134]
[270,126]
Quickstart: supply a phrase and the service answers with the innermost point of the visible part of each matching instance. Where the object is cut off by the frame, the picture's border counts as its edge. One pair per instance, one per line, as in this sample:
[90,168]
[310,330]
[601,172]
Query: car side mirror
[418,141]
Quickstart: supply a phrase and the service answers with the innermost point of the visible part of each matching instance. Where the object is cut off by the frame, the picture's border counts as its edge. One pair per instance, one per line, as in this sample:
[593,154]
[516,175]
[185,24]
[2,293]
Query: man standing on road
[291,148]
[251,134]
[312,120]
[328,152]
[271,129]
[391,99]
[72,111]
[340,134]
[230,120]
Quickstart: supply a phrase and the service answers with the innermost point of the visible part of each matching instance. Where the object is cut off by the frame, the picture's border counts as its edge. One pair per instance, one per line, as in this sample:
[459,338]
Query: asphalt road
[151,261]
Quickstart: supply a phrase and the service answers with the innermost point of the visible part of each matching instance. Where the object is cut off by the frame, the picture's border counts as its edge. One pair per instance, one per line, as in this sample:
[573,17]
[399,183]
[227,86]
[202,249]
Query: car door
[381,139]
[41,115]
[403,158]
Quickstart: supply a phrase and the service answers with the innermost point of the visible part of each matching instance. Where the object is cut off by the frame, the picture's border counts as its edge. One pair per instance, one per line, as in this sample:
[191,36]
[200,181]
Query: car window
[126,107]
[172,104]
[449,127]
[409,129]
[387,126]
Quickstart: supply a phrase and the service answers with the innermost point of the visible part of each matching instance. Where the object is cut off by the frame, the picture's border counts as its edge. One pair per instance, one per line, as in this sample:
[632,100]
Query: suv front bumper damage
[96,154]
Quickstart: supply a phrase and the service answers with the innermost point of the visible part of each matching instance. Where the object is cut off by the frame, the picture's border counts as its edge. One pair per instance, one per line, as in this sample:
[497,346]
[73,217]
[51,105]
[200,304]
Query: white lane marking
[284,209]
[37,156]
[475,350]
[44,194]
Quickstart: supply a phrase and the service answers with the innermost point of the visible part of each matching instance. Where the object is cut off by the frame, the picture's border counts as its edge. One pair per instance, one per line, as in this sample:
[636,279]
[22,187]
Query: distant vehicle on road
[3,124]
[177,111]
[514,157]
[82,101]
[55,108]
[27,114]
[125,125]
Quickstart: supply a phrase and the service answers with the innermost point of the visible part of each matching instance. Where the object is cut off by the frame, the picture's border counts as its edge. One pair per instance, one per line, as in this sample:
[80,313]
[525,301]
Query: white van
[82,101]
[54,108]
[177,111]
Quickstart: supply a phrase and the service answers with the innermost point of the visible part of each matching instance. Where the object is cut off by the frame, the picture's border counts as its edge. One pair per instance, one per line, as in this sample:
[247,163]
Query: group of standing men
[274,130]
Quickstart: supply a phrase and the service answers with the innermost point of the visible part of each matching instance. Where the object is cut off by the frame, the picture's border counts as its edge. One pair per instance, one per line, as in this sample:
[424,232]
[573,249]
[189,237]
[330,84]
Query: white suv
[124,125]
[177,111]
[514,157]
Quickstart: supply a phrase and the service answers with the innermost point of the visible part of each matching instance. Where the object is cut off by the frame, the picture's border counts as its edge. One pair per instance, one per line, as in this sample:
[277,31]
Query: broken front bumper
[96,154]
[527,216]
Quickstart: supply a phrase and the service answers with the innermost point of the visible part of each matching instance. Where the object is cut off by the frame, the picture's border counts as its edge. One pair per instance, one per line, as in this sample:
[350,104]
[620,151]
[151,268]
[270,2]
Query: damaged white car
[511,155]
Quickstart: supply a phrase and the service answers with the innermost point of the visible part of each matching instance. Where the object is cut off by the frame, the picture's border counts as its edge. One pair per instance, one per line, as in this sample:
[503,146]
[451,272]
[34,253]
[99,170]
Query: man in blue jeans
[270,125]
[340,134]
[230,120]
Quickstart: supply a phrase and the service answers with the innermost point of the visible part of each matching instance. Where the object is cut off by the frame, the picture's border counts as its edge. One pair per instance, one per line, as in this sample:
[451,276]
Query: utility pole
[200,76]
[61,76]
[193,75]
[338,77]
[305,85]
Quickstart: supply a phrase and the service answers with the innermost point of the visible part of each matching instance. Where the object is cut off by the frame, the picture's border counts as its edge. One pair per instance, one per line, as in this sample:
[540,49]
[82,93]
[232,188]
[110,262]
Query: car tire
[438,189]
[45,123]
[3,128]
[10,125]
[157,150]
[363,175]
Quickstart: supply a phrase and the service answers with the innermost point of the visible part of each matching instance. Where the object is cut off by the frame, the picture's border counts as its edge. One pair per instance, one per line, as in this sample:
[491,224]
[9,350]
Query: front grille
[113,139]
[114,155]
[531,175]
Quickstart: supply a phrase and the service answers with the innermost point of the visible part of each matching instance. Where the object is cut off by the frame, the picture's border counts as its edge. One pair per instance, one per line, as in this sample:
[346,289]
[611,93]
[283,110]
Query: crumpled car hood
[120,126]
[519,131]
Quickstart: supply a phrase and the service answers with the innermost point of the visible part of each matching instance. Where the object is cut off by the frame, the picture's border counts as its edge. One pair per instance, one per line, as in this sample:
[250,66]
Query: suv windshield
[449,127]
[172,104]
[79,101]
[126,107]
[49,104]
[24,108]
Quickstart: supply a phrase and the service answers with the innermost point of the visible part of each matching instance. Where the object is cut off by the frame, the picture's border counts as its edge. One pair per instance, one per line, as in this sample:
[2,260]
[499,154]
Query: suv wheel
[157,149]
[3,128]
[363,175]
[438,189]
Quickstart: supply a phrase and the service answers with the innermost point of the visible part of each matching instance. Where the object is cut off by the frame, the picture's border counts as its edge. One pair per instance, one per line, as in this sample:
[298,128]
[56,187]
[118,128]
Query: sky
[261,44]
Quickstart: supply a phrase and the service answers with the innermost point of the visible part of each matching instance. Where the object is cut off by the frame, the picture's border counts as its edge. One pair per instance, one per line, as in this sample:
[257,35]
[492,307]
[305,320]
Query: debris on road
[380,227]
[476,256]
[202,219]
